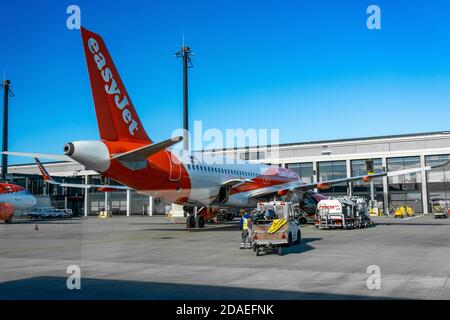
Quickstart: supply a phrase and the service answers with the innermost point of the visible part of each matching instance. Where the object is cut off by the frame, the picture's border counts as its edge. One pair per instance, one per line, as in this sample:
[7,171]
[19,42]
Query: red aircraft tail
[117,119]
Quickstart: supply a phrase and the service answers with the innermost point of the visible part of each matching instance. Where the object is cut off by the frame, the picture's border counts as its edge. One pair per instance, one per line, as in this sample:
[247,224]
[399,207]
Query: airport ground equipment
[343,213]
[441,215]
[404,211]
[104,214]
[225,215]
[375,209]
[301,216]
[49,212]
[440,209]
[274,227]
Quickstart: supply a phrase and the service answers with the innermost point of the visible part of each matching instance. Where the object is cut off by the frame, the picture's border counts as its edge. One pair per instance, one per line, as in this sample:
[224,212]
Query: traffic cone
[36,227]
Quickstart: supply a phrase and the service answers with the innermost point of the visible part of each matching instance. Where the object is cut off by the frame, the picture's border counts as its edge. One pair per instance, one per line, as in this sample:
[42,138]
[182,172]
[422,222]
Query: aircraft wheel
[190,222]
[290,240]
[280,250]
[199,222]
[299,238]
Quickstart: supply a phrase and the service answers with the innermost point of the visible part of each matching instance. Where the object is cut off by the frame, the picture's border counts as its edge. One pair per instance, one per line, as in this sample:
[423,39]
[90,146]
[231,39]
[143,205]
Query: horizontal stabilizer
[49,179]
[144,152]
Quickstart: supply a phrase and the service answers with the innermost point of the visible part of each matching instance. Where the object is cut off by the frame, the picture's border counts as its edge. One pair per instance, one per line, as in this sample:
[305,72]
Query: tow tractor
[274,227]
[343,213]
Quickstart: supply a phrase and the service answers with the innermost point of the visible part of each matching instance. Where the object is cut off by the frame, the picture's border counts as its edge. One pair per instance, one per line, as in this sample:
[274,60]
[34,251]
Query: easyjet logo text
[111,88]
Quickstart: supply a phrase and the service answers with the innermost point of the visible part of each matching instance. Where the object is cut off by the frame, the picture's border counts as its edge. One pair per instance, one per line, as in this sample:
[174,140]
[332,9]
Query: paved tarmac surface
[152,258]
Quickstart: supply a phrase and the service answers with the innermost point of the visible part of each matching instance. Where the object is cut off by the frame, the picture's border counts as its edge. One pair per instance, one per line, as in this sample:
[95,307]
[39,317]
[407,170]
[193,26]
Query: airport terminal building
[313,161]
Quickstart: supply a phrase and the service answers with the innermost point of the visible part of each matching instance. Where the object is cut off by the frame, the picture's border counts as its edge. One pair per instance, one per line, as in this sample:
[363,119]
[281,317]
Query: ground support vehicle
[274,227]
[343,213]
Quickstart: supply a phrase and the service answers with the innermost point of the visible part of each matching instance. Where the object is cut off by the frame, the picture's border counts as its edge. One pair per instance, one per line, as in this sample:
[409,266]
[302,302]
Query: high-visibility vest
[245,224]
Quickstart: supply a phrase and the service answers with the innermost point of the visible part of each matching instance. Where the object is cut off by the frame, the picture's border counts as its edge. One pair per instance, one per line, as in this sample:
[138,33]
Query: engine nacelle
[93,154]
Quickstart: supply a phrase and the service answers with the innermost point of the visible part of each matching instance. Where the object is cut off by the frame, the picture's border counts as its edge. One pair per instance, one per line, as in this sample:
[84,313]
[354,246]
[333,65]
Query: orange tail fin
[117,119]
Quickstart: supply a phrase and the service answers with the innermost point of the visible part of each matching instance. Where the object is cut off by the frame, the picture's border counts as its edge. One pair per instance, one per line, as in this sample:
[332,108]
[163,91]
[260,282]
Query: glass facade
[304,170]
[405,189]
[361,188]
[330,170]
[438,184]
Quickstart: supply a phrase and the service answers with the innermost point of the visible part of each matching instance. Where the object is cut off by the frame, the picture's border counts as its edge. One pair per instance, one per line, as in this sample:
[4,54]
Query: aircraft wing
[300,186]
[50,156]
[272,190]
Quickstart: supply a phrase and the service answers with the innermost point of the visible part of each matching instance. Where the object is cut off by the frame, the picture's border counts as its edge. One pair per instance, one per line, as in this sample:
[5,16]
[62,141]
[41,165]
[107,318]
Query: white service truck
[343,213]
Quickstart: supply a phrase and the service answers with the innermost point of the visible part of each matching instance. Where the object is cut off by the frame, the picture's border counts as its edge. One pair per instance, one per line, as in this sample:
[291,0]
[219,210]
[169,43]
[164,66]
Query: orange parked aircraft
[13,197]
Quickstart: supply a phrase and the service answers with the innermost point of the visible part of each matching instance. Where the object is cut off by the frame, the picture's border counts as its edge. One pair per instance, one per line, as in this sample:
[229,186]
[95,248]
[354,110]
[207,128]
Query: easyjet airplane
[14,197]
[126,154]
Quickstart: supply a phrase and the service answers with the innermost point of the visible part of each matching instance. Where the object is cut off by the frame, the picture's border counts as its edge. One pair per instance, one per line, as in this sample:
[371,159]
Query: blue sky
[309,68]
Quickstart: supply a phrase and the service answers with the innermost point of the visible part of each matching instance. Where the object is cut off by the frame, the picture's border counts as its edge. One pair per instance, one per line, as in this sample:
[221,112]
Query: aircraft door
[174,167]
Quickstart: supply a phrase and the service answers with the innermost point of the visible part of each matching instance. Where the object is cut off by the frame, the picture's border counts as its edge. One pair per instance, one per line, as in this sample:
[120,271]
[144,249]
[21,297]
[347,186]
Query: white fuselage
[19,200]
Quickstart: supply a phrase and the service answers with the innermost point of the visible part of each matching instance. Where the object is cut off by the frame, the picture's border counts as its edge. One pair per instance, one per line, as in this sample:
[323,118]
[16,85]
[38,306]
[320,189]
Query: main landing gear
[194,220]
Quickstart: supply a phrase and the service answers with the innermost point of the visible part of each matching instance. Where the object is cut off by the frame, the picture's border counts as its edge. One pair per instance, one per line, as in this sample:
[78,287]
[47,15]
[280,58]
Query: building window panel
[405,189]
[359,168]
[438,184]
[304,170]
[330,170]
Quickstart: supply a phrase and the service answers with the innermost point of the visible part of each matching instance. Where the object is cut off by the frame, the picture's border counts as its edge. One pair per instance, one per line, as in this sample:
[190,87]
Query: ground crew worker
[244,225]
